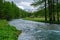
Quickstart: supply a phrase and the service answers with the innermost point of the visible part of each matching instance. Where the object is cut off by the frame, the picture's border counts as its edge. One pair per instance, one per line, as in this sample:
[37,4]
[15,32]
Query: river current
[36,30]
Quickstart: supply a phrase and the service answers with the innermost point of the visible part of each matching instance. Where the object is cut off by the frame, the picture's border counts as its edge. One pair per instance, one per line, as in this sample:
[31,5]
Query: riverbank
[36,30]
[8,32]
[40,20]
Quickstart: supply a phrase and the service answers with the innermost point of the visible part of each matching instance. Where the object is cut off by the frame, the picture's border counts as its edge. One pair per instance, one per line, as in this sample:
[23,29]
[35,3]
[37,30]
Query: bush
[8,32]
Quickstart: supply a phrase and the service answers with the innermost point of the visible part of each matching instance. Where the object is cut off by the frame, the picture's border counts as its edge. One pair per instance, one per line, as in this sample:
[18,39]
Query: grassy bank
[40,20]
[8,32]
[35,19]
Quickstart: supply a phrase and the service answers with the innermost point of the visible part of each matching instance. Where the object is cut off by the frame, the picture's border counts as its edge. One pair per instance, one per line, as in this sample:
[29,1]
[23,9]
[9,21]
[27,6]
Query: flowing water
[36,30]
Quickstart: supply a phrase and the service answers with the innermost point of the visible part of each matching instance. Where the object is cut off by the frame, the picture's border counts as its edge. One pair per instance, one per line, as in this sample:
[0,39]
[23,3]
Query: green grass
[35,19]
[8,32]
[41,20]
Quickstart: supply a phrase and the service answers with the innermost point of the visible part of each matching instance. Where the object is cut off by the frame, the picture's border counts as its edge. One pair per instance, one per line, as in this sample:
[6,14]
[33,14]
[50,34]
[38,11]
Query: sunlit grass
[8,32]
[34,19]
[42,19]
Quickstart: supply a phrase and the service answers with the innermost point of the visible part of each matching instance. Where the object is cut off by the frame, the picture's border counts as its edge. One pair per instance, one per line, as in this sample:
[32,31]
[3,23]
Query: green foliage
[8,32]
[50,11]
[9,10]
[35,19]
[24,14]
[37,2]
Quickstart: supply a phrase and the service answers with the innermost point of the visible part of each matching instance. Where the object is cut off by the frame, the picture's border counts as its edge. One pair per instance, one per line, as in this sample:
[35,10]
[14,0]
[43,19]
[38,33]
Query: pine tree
[1,8]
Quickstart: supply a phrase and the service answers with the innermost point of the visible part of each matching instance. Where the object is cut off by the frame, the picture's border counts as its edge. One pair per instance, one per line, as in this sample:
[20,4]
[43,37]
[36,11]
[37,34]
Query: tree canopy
[9,10]
[51,8]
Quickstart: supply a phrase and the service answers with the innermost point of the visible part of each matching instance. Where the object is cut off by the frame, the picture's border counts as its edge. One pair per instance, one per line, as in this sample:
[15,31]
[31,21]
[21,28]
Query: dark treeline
[9,10]
[50,12]
[41,13]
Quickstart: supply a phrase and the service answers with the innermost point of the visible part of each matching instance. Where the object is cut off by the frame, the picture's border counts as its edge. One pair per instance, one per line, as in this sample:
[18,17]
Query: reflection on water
[36,30]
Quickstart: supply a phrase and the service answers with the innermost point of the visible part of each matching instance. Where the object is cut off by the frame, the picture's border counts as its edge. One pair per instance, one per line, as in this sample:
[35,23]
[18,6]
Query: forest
[9,10]
[48,13]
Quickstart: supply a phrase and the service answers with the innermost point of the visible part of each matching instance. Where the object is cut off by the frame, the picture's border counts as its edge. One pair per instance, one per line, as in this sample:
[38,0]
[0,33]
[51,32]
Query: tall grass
[8,32]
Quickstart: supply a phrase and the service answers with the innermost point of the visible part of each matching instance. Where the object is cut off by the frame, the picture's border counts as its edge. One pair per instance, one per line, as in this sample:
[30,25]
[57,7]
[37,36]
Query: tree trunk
[57,12]
[50,10]
[45,12]
[1,8]
[53,10]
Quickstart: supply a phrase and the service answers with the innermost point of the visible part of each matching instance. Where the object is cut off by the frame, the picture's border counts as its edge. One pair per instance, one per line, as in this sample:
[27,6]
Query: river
[36,30]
